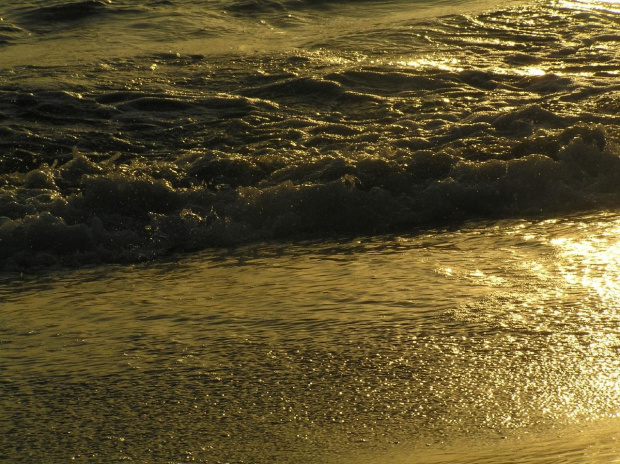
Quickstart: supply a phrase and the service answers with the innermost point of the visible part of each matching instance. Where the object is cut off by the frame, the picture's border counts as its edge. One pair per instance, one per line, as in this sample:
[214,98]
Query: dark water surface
[382,124]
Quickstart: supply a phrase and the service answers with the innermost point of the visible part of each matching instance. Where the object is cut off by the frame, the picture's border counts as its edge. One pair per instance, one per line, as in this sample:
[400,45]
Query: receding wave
[490,118]
[55,17]
[70,11]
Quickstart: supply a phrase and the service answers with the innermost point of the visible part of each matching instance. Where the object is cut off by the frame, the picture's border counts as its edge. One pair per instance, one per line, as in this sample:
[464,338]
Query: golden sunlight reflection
[446,64]
[611,6]
[535,71]
[450,64]
[593,263]
[556,316]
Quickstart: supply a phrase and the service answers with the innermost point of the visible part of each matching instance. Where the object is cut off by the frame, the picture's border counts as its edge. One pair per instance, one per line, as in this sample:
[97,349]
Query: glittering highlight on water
[313,232]
[324,351]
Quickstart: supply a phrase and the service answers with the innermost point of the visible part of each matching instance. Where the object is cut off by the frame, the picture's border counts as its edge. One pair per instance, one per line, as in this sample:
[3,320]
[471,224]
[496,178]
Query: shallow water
[494,342]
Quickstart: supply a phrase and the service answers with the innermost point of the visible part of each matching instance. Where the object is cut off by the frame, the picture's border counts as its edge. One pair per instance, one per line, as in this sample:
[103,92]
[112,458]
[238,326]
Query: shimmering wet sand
[494,341]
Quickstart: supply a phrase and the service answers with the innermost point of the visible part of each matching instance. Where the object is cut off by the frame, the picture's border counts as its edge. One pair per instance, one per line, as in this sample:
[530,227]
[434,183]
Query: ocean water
[131,132]
[309,231]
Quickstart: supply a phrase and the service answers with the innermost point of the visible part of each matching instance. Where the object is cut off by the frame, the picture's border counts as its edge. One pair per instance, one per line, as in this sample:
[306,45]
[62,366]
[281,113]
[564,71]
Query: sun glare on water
[611,6]
[592,262]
